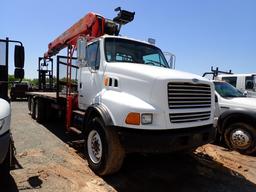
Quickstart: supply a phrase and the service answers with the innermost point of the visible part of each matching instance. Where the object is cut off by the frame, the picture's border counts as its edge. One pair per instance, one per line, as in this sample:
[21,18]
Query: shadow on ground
[7,184]
[172,172]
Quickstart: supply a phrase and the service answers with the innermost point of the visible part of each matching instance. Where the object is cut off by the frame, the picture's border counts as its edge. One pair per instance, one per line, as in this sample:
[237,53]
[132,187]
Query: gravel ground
[51,160]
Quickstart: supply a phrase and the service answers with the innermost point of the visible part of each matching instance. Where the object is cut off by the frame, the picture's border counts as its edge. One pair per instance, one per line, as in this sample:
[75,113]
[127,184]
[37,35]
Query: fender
[235,115]
[98,110]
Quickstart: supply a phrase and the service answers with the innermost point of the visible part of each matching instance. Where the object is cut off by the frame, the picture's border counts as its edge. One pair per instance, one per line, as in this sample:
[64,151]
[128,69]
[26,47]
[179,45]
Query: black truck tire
[102,148]
[241,137]
[39,110]
[33,109]
[30,104]
[6,165]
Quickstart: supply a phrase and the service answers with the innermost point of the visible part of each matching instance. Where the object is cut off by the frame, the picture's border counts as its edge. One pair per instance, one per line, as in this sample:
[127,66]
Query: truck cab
[130,76]
[6,141]
[142,104]
[236,115]
[5,136]
[246,83]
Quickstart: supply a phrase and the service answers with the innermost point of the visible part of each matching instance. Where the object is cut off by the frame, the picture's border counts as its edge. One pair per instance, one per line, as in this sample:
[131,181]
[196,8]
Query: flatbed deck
[50,95]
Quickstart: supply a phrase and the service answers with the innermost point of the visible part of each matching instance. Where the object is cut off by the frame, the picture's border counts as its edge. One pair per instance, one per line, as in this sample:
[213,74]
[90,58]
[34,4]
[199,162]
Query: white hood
[4,108]
[240,102]
[153,71]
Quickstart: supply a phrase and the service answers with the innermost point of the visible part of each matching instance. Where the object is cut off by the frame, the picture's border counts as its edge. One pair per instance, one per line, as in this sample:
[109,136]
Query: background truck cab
[246,83]
[5,136]
[6,141]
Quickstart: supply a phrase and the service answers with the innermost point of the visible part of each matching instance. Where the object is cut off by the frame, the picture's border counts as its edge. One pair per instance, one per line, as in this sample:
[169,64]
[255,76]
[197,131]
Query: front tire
[102,148]
[241,137]
[6,165]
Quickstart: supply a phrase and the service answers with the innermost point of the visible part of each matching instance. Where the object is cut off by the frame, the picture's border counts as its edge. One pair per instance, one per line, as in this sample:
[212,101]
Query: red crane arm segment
[91,25]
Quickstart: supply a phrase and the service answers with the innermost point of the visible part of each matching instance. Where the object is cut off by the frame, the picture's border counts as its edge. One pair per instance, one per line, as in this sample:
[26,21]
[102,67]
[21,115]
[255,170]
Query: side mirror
[19,73]
[171,59]
[81,51]
[19,56]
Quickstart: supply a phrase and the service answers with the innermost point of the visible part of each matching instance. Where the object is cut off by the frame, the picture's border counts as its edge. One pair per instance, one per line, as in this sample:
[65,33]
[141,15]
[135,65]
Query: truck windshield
[123,50]
[226,90]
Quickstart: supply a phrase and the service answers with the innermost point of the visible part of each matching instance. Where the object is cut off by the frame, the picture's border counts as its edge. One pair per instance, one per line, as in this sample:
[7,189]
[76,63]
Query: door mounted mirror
[171,59]
[19,56]
[81,51]
[19,73]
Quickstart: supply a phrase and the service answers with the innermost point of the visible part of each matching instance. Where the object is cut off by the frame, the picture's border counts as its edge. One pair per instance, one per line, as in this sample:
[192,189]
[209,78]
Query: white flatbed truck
[127,99]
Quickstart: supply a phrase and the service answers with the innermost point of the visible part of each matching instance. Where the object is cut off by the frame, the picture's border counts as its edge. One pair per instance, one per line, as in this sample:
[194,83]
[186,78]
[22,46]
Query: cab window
[249,82]
[93,55]
[230,80]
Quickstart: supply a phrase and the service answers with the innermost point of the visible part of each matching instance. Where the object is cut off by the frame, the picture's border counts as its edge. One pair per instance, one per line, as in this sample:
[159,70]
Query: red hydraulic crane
[90,26]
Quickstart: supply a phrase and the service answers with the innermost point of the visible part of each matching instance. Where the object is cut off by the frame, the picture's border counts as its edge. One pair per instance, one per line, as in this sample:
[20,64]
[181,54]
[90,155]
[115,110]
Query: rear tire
[38,110]
[33,108]
[102,148]
[30,104]
[241,137]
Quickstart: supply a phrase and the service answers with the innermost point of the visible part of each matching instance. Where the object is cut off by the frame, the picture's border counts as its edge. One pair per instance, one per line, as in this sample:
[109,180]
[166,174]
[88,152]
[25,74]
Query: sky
[201,33]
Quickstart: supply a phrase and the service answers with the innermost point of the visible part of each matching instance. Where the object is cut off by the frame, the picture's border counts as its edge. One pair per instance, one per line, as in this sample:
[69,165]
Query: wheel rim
[240,139]
[94,146]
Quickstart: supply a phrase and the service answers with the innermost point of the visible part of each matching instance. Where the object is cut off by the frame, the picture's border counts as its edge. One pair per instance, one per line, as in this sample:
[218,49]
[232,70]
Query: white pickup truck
[236,118]
[5,137]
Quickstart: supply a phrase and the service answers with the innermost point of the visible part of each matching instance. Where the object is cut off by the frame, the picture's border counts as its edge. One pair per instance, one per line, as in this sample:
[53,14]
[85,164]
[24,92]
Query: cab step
[75,130]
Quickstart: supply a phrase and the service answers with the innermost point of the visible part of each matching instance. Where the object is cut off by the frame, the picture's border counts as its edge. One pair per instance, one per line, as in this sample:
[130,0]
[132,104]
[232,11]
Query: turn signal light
[133,119]
[106,80]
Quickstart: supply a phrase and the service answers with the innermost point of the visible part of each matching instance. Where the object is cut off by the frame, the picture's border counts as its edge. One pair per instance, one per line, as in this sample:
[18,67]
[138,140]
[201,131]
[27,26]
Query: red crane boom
[92,25]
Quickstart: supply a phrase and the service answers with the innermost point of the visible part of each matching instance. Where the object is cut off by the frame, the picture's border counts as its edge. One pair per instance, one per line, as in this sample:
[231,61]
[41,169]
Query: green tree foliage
[33,82]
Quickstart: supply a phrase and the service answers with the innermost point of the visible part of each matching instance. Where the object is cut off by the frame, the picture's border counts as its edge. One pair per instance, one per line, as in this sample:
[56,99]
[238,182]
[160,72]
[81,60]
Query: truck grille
[188,95]
[189,117]
[182,96]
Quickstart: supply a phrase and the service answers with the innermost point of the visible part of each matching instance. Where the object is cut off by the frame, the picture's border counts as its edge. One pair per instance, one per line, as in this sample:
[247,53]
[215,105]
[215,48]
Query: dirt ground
[51,160]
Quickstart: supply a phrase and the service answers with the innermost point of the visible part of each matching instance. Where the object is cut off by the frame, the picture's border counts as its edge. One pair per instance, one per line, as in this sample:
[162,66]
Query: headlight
[146,118]
[137,118]
[1,123]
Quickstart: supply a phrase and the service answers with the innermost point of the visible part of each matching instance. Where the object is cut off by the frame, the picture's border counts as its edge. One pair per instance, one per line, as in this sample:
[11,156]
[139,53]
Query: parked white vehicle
[5,137]
[127,97]
[129,100]
[236,118]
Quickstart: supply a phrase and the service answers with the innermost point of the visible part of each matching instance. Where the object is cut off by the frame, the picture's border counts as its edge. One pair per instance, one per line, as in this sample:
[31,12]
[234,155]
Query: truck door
[90,80]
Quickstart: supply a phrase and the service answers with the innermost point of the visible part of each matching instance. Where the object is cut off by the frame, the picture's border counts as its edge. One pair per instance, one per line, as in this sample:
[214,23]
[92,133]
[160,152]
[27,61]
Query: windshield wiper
[235,96]
[155,63]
